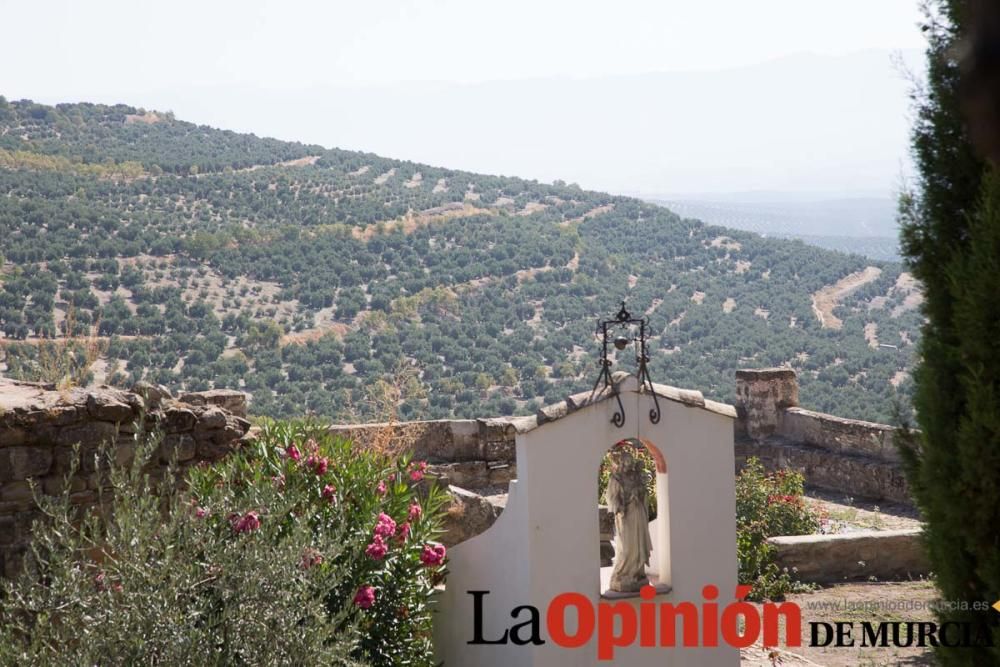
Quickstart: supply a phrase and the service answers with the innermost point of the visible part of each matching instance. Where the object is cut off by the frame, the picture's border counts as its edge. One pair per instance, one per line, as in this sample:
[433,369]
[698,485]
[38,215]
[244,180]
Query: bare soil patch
[589,214]
[855,602]
[829,297]
[871,334]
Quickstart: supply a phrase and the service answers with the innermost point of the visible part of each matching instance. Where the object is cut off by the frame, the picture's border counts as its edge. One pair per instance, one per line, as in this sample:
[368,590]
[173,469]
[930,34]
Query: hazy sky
[284,68]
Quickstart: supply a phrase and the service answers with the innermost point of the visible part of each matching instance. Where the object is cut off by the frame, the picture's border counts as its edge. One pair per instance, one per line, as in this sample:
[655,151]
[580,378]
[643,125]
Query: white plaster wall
[539,549]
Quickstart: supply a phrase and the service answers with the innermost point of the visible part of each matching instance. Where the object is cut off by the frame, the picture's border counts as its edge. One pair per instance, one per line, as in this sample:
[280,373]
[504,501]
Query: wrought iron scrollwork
[622,322]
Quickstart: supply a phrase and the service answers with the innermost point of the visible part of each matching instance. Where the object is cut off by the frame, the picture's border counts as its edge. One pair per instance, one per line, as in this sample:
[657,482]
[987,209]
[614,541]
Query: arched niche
[658,569]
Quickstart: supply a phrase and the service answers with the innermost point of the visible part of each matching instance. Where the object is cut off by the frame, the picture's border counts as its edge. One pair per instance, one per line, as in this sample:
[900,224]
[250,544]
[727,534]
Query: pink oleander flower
[247,523]
[433,555]
[402,532]
[385,526]
[415,512]
[380,489]
[330,493]
[365,597]
[417,470]
[321,466]
[377,549]
[310,558]
[293,453]
[201,512]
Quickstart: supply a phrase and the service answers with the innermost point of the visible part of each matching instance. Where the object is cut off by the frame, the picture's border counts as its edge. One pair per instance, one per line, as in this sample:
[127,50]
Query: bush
[287,552]
[768,505]
[641,453]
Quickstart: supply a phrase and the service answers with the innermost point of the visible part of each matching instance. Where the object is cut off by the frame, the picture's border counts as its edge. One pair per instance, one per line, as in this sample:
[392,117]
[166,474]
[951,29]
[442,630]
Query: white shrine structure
[546,541]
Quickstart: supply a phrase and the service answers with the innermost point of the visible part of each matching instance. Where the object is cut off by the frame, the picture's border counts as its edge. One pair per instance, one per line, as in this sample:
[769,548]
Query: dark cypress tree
[951,239]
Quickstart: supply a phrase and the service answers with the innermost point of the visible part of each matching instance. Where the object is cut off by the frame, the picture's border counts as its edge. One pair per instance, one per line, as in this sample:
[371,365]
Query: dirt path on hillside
[829,297]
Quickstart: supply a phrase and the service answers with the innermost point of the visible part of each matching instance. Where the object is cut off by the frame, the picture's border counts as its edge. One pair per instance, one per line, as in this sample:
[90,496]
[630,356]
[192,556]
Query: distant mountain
[321,279]
[862,225]
[812,122]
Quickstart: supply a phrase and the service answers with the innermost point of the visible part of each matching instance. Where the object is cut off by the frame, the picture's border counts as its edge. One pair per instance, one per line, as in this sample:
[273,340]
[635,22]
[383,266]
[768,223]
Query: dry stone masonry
[41,427]
[848,456]
[473,458]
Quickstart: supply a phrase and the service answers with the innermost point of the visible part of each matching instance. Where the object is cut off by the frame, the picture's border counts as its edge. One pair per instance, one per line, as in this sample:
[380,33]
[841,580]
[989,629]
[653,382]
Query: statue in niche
[626,497]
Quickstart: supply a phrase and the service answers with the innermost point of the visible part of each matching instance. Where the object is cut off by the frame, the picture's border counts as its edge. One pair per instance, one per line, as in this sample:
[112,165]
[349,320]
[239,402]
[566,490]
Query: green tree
[951,238]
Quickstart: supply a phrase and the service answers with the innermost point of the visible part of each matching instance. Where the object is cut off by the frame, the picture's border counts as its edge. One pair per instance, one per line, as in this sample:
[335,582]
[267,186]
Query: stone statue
[626,497]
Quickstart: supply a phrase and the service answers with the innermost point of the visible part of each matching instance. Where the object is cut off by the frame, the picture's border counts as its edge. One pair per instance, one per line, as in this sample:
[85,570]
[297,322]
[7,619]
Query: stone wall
[40,429]
[474,458]
[856,458]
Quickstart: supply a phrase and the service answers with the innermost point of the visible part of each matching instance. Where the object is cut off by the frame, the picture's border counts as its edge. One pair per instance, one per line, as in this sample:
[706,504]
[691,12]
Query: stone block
[211,418]
[17,463]
[181,445]
[607,553]
[228,399]
[761,397]
[12,436]
[605,522]
[107,406]
[8,530]
[153,394]
[16,491]
[464,474]
[468,515]
[88,434]
[178,420]
[501,474]
[880,555]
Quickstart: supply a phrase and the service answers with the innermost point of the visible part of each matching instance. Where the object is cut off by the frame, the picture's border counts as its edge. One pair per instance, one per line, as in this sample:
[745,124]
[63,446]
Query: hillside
[303,275]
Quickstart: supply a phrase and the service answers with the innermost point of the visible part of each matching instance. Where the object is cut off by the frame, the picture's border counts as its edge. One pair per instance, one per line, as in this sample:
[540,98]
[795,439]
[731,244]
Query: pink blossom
[365,597]
[385,526]
[433,555]
[380,489]
[321,466]
[330,493]
[293,453]
[201,512]
[417,470]
[247,523]
[402,532]
[415,512]
[311,557]
[377,549]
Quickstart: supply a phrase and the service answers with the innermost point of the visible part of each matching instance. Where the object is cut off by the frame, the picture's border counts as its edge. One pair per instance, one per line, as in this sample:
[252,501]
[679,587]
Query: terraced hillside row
[198,257]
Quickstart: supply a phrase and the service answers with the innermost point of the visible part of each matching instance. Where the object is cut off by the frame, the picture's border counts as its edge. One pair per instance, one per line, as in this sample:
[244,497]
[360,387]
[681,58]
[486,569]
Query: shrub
[265,558]
[648,463]
[768,505]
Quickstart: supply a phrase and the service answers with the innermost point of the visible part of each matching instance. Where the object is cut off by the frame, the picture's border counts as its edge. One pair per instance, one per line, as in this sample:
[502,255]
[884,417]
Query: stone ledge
[838,434]
[872,554]
[851,474]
